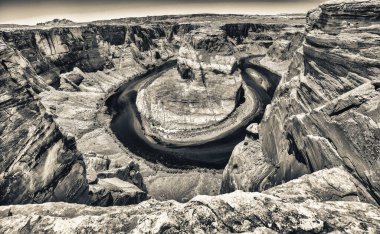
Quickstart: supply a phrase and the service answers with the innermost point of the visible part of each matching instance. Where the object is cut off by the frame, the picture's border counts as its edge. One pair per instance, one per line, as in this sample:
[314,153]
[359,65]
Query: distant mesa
[57,22]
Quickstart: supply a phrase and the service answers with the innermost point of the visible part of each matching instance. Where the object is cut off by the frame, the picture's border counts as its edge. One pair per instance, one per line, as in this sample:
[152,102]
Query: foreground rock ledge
[320,209]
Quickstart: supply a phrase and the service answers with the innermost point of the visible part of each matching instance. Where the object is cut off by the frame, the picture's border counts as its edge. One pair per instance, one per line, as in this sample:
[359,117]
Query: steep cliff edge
[325,111]
[38,163]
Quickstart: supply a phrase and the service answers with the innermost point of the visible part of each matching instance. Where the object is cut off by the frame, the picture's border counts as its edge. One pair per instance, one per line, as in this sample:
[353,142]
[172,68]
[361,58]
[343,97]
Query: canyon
[193,123]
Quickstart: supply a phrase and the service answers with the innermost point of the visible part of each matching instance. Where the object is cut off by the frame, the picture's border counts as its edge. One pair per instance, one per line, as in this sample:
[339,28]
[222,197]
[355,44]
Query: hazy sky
[35,11]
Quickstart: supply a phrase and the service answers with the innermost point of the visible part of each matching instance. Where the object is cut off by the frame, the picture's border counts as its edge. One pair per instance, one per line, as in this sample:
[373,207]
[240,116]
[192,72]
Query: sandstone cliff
[325,111]
[38,162]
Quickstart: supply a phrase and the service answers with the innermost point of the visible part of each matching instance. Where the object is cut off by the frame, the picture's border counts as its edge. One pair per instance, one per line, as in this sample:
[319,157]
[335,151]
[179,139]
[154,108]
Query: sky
[31,12]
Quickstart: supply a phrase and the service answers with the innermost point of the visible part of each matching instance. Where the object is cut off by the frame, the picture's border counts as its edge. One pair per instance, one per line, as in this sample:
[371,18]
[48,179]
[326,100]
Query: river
[126,125]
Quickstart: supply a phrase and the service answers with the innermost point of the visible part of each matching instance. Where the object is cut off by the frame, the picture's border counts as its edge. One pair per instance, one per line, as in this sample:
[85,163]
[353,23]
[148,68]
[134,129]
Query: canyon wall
[38,162]
[52,87]
[91,48]
[325,111]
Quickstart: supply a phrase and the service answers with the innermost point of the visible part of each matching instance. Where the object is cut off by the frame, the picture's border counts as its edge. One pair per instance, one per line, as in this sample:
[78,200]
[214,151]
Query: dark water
[127,127]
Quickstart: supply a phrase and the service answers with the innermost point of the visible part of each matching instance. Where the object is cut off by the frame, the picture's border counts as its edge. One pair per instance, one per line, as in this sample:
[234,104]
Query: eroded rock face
[343,131]
[325,111]
[334,184]
[38,162]
[91,48]
[274,212]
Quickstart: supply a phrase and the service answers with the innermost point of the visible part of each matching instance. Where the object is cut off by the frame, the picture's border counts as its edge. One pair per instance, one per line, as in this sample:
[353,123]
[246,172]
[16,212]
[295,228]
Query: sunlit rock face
[186,105]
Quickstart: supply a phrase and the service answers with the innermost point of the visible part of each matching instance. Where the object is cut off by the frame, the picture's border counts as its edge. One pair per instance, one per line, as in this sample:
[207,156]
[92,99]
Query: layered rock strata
[325,111]
[268,45]
[38,162]
[57,50]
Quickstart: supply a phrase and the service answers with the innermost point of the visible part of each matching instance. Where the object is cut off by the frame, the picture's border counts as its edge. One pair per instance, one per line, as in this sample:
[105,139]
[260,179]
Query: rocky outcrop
[343,131]
[279,55]
[206,49]
[38,162]
[335,184]
[247,169]
[114,191]
[273,212]
[254,39]
[270,45]
[325,111]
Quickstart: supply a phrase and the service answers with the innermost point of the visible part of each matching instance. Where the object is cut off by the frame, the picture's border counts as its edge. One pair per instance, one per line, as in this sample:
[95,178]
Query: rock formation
[204,99]
[38,162]
[325,110]
[302,99]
